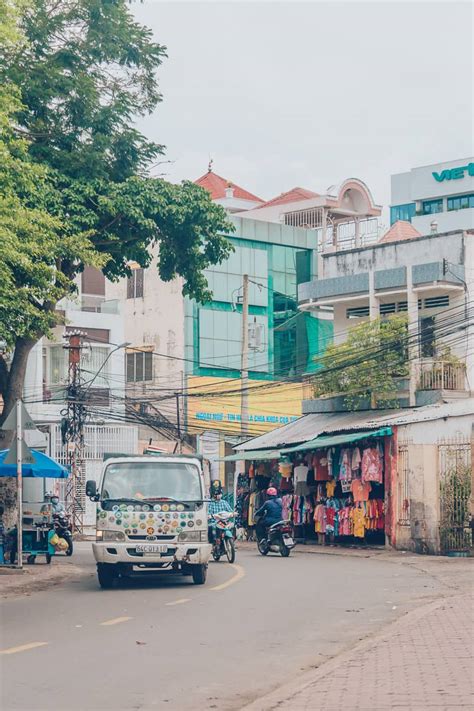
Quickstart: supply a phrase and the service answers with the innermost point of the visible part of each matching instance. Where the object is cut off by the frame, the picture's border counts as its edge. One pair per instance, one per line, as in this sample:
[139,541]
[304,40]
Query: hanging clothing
[300,474]
[356,459]
[358,518]
[345,464]
[320,520]
[330,488]
[372,465]
[360,490]
[320,466]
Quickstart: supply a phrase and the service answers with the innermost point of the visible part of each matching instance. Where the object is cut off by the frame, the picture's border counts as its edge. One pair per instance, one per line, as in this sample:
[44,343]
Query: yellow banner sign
[214,403]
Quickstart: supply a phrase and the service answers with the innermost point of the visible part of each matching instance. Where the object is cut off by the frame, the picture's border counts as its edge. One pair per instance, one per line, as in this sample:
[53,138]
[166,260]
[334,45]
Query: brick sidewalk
[425,660]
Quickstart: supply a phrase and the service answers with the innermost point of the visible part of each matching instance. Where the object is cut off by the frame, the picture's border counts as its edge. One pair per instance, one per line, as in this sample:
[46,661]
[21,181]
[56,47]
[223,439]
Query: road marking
[178,602]
[234,579]
[115,621]
[23,647]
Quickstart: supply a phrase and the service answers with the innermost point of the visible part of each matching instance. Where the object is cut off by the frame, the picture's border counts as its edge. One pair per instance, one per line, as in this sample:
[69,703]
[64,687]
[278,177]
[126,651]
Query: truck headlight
[200,536]
[110,536]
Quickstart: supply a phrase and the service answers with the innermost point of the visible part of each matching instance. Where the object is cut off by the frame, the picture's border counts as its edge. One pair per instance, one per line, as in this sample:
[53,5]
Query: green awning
[253,456]
[331,440]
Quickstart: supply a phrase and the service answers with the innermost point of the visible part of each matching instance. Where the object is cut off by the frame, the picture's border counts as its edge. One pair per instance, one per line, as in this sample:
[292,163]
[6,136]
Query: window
[357,312]
[429,207]
[402,212]
[460,202]
[139,366]
[135,284]
[94,363]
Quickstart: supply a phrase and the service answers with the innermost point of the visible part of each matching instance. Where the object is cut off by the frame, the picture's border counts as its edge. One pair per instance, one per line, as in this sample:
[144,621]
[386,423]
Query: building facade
[435,198]
[428,277]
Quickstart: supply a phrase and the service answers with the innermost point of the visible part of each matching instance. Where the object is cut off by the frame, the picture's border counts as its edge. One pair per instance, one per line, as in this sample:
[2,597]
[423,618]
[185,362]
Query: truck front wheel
[106,575]
[199,573]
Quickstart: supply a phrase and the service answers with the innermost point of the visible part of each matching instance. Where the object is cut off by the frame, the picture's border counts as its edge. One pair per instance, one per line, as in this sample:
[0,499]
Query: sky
[284,94]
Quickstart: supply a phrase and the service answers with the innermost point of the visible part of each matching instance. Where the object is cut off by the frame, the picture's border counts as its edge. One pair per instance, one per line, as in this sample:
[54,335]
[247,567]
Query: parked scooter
[223,544]
[278,540]
[62,526]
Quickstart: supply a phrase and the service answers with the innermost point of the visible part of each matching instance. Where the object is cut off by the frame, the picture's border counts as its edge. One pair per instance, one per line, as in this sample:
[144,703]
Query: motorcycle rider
[270,513]
[216,505]
[56,506]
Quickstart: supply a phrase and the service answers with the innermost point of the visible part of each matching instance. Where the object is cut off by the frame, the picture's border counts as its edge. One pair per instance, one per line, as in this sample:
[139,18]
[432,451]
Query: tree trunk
[16,375]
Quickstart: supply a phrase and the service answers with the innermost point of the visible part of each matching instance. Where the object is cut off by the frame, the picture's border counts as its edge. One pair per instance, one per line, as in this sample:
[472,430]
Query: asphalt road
[168,644]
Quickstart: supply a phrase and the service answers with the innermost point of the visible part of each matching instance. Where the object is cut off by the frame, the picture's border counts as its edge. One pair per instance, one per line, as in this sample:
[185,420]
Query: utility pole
[244,368]
[178,424]
[73,434]
[19,483]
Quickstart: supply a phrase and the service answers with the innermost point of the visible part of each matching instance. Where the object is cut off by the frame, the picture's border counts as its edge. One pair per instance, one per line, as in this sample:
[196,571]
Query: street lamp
[114,350]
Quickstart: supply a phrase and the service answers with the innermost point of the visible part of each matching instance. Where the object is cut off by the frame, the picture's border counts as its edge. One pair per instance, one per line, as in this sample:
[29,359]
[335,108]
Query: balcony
[441,375]
[435,380]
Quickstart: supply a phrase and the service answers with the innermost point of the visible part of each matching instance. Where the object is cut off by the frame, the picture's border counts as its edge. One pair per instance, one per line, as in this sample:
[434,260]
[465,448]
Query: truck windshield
[152,480]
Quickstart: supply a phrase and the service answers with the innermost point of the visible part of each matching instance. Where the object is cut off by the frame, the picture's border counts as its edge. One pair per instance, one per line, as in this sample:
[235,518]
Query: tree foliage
[364,368]
[75,181]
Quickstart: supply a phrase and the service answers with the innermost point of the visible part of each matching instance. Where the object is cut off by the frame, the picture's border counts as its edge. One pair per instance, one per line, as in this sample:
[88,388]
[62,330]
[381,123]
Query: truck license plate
[150,549]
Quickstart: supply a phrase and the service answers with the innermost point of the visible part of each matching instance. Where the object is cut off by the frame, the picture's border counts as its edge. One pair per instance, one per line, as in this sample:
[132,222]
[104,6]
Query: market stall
[38,536]
[333,488]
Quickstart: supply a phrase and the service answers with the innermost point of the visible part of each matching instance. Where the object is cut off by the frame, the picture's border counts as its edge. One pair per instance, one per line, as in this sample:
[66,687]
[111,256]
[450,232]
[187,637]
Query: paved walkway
[423,661]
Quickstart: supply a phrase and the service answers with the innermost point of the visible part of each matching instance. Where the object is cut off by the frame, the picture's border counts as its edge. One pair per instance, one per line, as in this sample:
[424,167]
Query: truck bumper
[125,553]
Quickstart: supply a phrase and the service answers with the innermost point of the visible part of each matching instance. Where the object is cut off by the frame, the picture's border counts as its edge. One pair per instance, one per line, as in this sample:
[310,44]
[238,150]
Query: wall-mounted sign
[454,173]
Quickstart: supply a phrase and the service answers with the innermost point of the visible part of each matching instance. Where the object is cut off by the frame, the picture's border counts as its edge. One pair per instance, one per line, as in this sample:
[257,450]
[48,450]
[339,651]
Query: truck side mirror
[91,489]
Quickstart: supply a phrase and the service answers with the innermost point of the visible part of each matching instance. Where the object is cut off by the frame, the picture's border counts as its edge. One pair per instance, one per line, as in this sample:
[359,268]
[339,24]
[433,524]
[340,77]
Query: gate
[455,483]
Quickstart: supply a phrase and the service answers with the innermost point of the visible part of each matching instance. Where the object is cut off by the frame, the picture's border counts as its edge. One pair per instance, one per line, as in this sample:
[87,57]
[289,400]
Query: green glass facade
[277,258]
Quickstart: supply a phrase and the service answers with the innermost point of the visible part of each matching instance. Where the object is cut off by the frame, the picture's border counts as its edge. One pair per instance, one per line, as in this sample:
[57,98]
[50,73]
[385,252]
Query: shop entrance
[332,489]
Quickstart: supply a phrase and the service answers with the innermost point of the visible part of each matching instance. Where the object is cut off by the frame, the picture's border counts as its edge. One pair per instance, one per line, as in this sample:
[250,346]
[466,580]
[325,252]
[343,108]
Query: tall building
[435,198]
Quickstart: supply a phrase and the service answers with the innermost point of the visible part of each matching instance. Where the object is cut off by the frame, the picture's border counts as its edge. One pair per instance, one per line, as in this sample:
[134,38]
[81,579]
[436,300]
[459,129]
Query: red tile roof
[399,231]
[292,195]
[216,185]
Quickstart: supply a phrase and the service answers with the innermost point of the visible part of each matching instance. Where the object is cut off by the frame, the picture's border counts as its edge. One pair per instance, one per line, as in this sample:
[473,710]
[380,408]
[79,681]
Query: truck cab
[151,516]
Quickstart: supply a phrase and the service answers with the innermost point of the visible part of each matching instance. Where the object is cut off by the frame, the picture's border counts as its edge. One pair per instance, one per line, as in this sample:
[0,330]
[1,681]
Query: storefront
[334,489]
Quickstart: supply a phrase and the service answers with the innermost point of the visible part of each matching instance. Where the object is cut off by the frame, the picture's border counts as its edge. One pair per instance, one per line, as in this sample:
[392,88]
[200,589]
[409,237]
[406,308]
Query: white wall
[420,184]
[155,320]
[447,221]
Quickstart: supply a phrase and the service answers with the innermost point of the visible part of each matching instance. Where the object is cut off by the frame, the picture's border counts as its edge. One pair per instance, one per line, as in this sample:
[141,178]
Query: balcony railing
[441,375]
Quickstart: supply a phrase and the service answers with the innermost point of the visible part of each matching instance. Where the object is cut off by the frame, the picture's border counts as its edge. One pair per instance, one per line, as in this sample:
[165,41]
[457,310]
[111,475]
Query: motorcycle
[223,544]
[278,539]
[62,527]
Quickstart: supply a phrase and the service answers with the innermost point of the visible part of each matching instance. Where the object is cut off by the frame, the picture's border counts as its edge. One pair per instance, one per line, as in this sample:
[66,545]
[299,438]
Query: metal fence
[455,482]
[441,375]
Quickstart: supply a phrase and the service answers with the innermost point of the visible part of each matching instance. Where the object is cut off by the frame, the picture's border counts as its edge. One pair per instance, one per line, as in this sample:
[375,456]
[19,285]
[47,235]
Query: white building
[435,198]
[101,322]
[431,278]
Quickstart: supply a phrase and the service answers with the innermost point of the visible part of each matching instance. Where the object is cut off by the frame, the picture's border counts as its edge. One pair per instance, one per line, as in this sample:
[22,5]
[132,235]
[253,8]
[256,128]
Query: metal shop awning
[331,440]
[253,456]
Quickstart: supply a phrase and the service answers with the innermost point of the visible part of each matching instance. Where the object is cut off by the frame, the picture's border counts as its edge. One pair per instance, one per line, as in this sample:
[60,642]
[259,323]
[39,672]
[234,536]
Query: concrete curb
[276,698]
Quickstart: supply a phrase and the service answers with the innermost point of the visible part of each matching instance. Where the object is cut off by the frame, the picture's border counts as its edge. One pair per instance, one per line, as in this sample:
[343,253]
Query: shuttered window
[139,366]
[135,284]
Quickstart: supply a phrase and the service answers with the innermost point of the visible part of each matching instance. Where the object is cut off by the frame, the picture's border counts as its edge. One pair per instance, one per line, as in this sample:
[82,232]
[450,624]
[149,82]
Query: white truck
[151,516]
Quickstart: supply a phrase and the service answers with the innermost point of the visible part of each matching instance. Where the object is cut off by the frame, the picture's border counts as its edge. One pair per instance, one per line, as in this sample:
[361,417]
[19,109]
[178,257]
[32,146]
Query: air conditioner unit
[256,336]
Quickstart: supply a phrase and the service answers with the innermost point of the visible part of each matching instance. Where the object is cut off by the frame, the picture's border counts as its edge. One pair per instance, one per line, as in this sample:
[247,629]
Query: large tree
[79,192]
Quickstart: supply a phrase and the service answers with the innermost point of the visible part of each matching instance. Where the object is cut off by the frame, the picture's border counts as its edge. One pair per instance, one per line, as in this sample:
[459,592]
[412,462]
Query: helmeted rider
[56,506]
[271,512]
[216,505]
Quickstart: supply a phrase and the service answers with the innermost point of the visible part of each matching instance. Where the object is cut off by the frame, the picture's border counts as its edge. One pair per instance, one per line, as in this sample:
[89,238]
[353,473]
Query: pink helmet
[272,491]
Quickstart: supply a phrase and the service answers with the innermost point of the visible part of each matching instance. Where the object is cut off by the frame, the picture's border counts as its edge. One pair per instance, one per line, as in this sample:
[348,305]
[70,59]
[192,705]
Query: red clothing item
[320,466]
[360,490]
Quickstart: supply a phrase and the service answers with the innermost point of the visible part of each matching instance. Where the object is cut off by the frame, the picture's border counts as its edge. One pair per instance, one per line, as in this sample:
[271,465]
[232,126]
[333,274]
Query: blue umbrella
[43,468]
